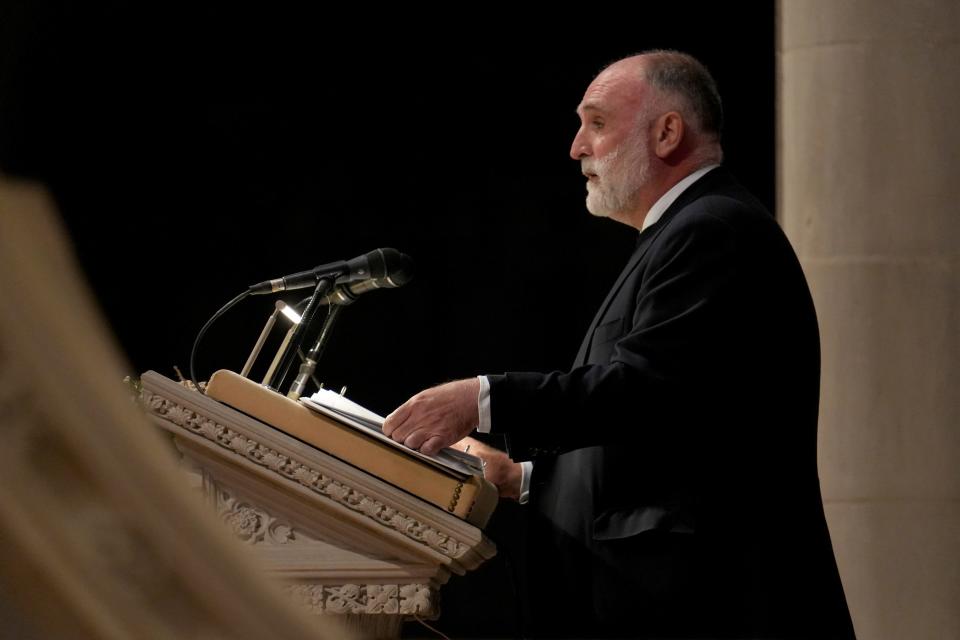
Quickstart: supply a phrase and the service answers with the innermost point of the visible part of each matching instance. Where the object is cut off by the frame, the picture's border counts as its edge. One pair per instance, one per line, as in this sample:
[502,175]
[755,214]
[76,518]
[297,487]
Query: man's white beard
[620,176]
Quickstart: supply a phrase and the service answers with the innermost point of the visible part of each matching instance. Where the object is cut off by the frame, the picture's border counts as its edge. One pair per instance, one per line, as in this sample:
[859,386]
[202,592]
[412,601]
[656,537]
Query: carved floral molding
[249,523]
[402,599]
[313,479]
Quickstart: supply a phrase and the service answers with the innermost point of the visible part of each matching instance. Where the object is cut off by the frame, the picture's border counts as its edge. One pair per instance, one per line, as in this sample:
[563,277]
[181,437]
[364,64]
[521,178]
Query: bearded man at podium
[671,471]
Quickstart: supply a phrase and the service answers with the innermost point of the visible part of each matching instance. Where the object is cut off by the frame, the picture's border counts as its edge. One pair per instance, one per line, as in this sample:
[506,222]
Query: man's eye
[597,124]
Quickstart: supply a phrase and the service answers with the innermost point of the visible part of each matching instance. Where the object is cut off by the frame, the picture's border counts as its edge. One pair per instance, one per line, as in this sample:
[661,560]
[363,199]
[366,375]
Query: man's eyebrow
[589,106]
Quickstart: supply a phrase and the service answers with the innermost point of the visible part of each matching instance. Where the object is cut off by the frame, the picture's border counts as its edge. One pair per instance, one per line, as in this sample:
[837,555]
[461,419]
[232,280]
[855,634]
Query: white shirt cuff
[526,469]
[483,405]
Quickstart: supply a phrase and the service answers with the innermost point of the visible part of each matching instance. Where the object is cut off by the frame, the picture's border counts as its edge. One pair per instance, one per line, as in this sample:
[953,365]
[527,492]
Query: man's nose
[580,148]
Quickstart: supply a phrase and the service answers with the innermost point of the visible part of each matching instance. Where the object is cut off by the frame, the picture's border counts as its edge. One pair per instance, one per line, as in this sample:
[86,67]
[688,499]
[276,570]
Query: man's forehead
[611,90]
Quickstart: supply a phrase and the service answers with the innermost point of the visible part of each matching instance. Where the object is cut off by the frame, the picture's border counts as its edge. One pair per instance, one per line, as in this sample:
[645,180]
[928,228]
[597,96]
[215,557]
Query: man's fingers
[415,439]
[403,431]
[396,419]
[432,445]
[427,441]
[448,411]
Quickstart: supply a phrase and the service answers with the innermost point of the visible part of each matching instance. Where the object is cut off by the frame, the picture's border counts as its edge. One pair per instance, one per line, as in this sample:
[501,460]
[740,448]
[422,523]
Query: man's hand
[498,468]
[436,418]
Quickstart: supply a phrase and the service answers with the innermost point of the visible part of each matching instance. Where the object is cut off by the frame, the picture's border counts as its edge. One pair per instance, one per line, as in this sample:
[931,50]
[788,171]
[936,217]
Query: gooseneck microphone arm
[309,364]
[290,355]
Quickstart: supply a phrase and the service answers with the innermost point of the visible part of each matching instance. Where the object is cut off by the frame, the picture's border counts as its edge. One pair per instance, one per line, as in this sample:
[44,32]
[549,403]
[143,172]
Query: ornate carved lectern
[343,541]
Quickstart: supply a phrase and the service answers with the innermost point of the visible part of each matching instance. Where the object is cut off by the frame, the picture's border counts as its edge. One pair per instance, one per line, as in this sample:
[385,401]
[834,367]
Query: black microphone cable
[203,330]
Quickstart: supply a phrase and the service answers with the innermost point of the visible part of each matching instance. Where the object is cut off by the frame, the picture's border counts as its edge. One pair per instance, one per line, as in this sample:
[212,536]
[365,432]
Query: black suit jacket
[675,482]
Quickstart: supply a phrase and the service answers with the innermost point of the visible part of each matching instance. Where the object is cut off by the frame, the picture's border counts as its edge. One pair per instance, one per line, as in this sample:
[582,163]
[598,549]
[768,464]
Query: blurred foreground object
[99,535]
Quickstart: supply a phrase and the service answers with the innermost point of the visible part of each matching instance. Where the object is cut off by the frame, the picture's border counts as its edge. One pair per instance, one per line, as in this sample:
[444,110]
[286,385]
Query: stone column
[869,194]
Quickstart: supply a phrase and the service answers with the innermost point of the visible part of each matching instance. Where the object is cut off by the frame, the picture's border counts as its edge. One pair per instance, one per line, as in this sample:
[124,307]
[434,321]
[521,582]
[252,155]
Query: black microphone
[345,294]
[378,269]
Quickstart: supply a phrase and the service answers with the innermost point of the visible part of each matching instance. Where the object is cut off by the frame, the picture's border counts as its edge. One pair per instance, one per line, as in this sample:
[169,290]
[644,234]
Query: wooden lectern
[343,541]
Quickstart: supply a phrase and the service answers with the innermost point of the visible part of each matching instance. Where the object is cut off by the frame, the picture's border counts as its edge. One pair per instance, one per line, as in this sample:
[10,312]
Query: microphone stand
[276,358]
[267,328]
[290,354]
[310,360]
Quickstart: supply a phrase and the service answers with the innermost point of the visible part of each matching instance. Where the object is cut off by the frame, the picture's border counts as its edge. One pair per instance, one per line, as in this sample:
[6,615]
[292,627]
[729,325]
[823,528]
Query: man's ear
[669,132]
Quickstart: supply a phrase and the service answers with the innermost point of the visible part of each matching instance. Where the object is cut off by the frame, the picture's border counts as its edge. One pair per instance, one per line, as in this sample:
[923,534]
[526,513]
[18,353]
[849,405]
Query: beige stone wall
[869,194]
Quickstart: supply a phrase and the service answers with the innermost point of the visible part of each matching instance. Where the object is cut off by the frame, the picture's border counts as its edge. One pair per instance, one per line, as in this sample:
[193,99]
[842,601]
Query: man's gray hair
[681,75]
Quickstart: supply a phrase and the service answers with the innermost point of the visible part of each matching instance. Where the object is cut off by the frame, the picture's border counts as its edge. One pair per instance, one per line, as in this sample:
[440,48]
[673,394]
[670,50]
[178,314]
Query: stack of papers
[350,413]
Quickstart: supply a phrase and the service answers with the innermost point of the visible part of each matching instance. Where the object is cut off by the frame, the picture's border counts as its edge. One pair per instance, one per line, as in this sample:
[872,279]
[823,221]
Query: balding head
[682,80]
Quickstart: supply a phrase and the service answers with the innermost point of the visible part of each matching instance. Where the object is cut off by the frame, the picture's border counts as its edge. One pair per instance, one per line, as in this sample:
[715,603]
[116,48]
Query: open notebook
[349,412]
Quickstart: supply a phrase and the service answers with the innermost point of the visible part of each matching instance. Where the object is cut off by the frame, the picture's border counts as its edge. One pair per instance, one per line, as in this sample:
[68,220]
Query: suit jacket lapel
[643,243]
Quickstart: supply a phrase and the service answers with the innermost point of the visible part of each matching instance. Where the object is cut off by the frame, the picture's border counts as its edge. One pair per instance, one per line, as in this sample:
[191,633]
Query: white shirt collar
[667,199]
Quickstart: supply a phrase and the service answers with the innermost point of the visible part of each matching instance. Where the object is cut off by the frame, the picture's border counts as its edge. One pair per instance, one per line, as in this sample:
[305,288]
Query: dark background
[195,152]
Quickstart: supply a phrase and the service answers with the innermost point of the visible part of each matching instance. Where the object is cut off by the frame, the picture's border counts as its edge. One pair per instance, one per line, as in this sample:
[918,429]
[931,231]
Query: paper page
[354,415]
